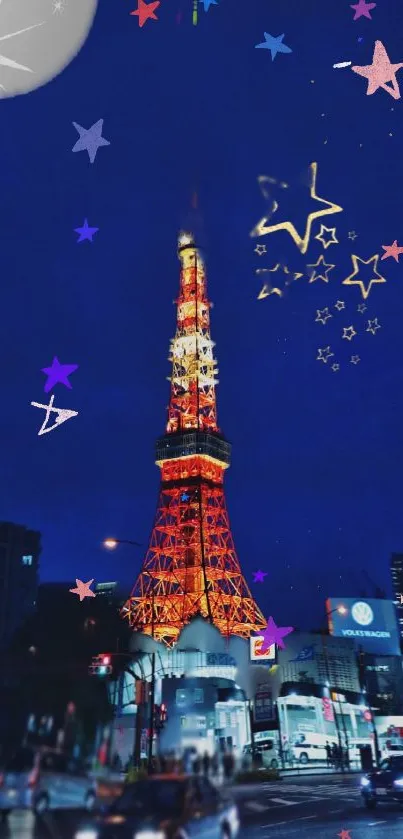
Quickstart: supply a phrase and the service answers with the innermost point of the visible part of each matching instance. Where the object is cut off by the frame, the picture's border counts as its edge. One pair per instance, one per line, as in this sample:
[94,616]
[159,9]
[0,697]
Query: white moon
[38,38]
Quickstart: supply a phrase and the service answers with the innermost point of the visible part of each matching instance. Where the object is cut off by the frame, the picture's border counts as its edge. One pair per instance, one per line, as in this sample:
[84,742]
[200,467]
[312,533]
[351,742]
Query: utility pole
[151,718]
[324,647]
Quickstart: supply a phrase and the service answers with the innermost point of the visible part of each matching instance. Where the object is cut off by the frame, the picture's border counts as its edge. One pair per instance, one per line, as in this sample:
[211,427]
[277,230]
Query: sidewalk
[323,770]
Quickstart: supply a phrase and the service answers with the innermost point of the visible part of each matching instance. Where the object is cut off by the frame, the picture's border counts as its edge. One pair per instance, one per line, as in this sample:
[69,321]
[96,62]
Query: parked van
[310,747]
[267,750]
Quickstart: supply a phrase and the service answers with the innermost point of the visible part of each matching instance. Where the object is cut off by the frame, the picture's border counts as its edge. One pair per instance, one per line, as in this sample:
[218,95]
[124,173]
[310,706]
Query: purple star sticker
[86,232]
[58,373]
[274,635]
[259,576]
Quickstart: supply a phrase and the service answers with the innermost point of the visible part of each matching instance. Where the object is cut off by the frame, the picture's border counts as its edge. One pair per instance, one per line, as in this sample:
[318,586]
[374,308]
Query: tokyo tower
[191,566]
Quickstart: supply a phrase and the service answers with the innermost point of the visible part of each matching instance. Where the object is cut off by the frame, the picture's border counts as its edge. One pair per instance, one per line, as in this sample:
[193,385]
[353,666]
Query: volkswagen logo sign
[362,613]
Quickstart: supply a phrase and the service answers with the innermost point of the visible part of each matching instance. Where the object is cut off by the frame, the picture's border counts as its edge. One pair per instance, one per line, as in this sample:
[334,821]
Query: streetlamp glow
[110,543]
[342,610]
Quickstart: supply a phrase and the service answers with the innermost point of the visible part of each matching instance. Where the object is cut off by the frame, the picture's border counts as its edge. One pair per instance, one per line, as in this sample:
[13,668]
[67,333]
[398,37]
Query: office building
[396,569]
[19,566]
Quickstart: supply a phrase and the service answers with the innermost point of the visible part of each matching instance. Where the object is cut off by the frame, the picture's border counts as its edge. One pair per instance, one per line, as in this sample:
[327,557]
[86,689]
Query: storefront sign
[372,624]
[328,713]
[256,654]
[193,723]
[220,660]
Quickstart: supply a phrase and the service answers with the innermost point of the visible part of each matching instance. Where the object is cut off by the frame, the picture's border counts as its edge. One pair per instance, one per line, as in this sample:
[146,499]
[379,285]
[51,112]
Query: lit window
[182,698]
[198,695]
[27,560]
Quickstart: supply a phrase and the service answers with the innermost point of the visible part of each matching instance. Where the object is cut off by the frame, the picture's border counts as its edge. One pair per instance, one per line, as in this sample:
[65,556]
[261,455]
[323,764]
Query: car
[44,779]
[266,749]
[392,749]
[166,807]
[383,784]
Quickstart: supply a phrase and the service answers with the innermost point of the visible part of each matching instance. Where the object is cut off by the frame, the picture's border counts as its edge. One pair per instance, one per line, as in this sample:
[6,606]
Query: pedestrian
[206,764]
[336,756]
[228,765]
[196,765]
[328,754]
[215,765]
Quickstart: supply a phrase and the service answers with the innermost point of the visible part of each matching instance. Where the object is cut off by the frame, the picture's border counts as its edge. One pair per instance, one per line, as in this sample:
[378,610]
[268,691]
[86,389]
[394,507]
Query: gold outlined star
[340,305]
[324,354]
[335,367]
[268,288]
[301,242]
[373,325]
[322,315]
[315,276]
[361,308]
[351,332]
[350,281]
[355,359]
[327,242]
[260,249]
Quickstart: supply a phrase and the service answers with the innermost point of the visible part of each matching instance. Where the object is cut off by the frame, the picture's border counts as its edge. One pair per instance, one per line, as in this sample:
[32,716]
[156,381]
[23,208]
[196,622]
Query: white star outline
[63,414]
[8,62]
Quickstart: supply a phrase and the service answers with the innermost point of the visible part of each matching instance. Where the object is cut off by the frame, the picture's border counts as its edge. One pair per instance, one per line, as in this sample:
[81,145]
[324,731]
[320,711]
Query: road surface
[318,807]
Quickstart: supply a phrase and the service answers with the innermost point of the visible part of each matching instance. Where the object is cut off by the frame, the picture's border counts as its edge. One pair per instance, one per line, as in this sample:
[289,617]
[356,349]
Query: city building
[205,682]
[20,549]
[109,592]
[191,566]
[316,688]
[396,569]
[372,625]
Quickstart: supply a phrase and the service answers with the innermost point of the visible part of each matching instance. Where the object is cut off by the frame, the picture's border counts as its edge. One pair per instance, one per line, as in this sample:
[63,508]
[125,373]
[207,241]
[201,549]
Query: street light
[113,543]
[342,610]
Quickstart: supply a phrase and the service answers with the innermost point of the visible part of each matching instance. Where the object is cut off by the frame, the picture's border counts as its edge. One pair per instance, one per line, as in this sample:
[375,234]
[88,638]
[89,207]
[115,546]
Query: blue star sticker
[86,232]
[273,44]
[208,3]
[185,497]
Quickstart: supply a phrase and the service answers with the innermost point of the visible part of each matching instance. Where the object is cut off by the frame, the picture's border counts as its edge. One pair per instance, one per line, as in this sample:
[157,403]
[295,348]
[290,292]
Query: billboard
[256,654]
[371,624]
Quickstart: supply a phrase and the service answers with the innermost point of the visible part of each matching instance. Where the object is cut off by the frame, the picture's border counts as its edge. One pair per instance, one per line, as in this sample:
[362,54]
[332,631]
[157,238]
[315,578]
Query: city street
[310,808]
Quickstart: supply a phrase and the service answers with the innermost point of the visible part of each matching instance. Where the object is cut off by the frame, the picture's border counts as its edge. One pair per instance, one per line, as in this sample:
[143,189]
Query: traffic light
[101,665]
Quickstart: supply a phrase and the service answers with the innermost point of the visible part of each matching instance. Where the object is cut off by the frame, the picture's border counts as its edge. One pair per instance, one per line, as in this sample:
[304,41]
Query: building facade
[20,550]
[396,569]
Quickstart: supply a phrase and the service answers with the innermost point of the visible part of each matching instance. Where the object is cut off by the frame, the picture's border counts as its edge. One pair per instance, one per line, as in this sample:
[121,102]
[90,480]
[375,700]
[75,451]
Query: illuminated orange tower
[191,566]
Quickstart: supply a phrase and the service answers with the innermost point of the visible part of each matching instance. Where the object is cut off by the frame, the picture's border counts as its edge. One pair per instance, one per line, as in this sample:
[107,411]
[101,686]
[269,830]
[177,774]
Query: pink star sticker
[274,634]
[392,250]
[345,834]
[380,72]
[83,589]
[362,9]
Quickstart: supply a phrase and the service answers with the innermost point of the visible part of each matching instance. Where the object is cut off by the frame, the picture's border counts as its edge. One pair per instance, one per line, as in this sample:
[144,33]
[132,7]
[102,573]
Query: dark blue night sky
[315,488]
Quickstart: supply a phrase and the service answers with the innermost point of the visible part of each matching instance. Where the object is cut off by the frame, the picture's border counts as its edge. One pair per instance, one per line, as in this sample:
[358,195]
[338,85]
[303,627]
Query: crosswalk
[289,795]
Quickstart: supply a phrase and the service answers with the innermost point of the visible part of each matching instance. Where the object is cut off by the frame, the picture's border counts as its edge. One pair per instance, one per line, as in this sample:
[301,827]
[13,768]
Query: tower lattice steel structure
[191,566]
